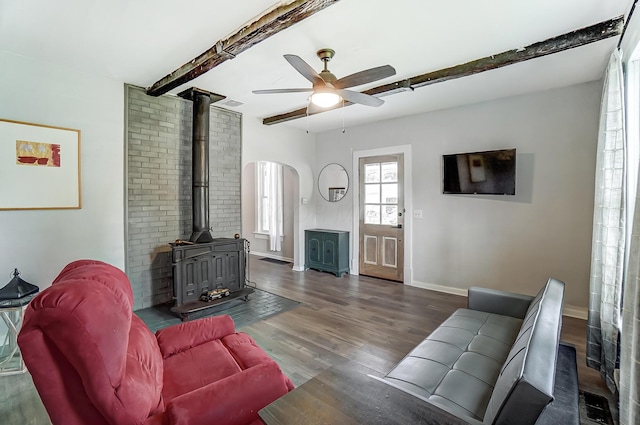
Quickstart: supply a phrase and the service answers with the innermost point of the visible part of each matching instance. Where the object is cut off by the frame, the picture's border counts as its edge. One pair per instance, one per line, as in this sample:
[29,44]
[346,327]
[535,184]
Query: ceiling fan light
[325,99]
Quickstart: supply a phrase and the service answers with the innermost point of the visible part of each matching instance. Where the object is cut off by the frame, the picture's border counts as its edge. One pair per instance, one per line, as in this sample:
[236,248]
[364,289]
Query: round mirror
[333,182]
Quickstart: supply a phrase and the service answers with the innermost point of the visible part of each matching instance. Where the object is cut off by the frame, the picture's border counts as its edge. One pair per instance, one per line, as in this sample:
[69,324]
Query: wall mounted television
[480,173]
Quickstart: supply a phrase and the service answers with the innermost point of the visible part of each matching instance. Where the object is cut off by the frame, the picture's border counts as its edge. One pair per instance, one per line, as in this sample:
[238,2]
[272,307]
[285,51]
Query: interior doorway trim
[405,150]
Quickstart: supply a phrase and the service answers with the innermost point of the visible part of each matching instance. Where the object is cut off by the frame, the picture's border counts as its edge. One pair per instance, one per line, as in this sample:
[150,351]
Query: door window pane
[372,214]
[389,172]
[381,193]
[390,215]
[372,194]
[390,193]
[372,173]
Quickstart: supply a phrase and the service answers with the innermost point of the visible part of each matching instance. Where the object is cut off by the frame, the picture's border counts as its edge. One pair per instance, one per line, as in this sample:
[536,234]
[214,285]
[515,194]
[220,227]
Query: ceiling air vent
[230,102]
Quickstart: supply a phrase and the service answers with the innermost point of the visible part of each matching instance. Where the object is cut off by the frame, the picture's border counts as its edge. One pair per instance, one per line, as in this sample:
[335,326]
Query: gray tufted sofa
[492,363]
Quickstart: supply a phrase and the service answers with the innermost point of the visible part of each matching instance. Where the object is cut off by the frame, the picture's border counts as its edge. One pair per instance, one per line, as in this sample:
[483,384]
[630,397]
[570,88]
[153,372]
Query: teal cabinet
[327,250]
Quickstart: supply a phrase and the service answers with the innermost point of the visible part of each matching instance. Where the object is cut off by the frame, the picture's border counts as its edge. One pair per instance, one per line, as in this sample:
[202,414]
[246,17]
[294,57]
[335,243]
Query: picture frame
[39,166]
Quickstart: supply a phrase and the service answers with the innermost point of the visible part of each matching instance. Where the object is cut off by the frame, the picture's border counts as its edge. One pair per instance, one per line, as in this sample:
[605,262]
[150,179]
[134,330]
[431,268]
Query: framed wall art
[39,167]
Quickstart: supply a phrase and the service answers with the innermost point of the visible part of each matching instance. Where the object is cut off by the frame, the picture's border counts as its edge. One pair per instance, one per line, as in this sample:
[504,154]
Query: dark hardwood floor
[369,321]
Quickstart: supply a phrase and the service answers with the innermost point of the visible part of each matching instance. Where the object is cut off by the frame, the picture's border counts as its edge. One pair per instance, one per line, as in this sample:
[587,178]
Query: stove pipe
[200,165]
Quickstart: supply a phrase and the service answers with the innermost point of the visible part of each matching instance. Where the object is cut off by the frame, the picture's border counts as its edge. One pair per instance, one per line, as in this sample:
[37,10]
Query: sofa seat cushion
[197,367]
[457,365]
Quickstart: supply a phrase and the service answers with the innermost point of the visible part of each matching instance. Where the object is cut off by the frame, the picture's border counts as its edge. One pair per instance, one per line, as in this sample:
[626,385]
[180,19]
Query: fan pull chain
[343,130]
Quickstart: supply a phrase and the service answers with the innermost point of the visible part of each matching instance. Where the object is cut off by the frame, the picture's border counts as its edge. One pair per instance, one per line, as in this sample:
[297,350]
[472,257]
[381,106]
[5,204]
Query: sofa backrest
[525,384]
[92,360]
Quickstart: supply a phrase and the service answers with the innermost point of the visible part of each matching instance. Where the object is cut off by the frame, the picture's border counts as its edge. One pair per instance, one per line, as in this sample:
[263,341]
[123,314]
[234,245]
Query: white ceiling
[140,41]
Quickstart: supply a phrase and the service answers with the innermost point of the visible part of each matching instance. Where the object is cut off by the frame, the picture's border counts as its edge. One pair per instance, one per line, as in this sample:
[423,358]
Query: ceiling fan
[328,90]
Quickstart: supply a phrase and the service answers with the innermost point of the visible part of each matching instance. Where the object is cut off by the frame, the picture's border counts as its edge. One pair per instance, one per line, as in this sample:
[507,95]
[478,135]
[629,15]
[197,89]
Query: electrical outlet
[417,213]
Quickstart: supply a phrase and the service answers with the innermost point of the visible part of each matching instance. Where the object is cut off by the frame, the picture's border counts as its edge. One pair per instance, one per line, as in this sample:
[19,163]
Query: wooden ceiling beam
[259,30]
[570,40]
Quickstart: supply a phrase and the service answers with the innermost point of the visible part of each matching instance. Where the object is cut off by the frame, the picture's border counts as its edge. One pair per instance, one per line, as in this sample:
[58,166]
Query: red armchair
[93,361]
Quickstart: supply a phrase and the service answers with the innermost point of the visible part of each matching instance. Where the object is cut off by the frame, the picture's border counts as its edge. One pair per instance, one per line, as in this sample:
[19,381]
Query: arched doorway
[259,239]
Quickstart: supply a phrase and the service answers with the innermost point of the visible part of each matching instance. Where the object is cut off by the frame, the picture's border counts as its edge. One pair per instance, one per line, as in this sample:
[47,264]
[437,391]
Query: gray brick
[159,191]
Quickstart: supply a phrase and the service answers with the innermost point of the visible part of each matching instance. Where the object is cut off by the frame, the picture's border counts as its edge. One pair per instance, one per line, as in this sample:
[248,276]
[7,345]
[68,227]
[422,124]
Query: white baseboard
[568,310]
[440,288]
[269,255]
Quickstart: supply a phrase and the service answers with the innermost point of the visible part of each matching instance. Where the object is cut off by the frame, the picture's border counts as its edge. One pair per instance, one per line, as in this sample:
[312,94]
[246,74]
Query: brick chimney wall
[158,137]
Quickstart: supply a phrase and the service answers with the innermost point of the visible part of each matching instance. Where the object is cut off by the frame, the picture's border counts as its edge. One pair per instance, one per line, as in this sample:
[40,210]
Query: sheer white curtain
[609,236]
[630,344]
[276,201]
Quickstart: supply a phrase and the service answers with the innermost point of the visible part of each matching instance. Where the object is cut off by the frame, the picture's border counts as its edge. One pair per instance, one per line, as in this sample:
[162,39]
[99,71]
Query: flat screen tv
[480,173]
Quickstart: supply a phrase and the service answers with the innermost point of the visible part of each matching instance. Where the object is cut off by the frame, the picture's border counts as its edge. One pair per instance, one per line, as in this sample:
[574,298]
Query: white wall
[296,149]
[511,243]
[38,242]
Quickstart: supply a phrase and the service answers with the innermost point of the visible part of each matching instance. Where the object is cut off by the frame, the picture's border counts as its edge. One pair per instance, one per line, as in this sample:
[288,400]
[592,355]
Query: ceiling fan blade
[274,91]
[364,77]
[361,98]
[304,68]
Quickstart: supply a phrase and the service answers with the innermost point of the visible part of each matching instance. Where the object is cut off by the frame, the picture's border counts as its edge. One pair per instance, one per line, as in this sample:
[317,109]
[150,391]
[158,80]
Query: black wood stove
[205,263]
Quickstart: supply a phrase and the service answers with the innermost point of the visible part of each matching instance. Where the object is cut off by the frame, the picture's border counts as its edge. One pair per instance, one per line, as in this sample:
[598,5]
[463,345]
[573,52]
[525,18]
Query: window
[381,193]
[269,177]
